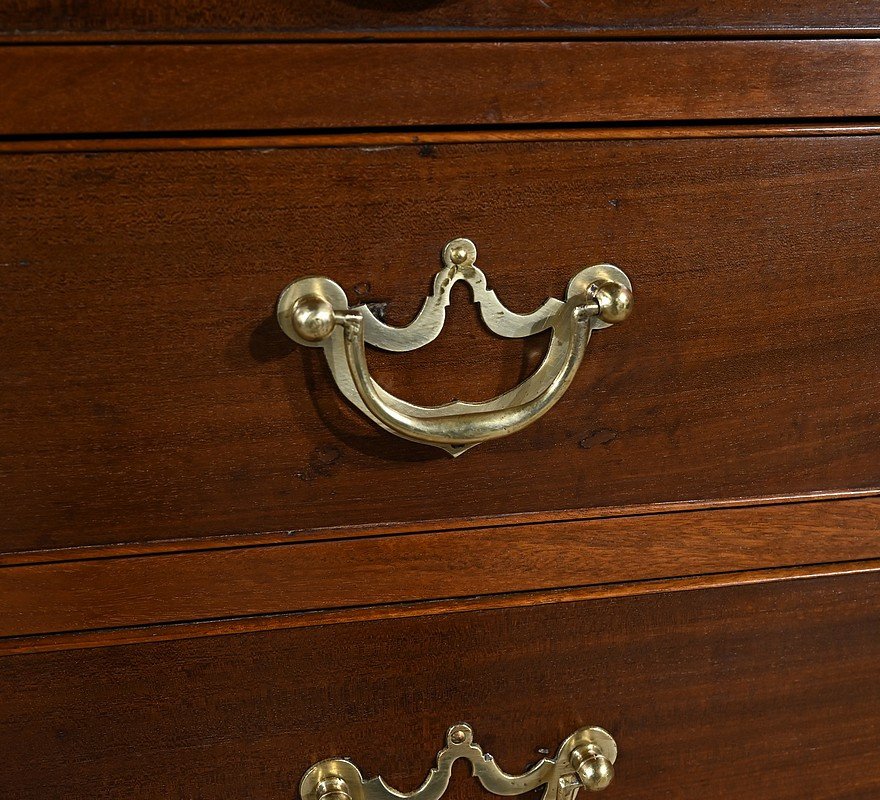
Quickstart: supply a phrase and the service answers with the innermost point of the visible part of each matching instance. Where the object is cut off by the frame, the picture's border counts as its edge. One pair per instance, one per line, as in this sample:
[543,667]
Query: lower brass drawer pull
[314,312]
[584,760]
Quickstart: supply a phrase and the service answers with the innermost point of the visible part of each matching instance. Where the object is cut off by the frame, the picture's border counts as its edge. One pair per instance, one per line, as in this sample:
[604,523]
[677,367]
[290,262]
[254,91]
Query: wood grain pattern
[747,691]
[431,18]
[155,398]
[240,582]
[143,87]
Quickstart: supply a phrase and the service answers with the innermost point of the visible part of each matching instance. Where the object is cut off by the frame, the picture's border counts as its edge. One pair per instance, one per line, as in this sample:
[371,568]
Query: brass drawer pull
[314,312]
[584,761]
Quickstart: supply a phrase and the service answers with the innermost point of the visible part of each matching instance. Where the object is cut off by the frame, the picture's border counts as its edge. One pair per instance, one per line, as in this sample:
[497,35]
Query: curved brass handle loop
[584,761]
[468,429]
[314,312]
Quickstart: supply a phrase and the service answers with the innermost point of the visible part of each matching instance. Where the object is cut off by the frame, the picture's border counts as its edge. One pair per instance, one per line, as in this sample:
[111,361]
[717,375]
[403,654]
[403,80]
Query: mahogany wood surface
[155,397]
[122,19]
[766,691]
[214,572]
[78,89]
[224,541]
[240,582]
[175,631]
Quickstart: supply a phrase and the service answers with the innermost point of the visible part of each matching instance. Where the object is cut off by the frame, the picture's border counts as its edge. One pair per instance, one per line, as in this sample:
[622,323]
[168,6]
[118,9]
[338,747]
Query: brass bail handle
[584,761]
[314,312]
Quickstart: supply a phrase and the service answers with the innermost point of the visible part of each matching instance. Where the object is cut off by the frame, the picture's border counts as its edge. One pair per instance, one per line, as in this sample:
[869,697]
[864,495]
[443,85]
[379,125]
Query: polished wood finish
[123,19]
[746,691]
[214,572]
[155,87]
[236,582]
[156,398]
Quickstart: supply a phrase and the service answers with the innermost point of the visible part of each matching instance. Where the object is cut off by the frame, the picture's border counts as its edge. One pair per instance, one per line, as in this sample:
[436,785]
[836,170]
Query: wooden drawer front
[160,87]
[433,19]
[748,691]
[155,397]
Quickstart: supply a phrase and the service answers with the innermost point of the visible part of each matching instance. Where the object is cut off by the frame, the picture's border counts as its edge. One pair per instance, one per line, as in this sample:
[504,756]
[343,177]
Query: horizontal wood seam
[127,635]
[182,587]
[453,34]
[349,533]
[219,140]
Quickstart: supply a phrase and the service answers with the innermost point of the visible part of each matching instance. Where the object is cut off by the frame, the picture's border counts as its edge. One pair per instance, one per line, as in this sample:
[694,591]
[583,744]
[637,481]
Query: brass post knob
[615,301]
[313,318]
[332,788]
[594,771]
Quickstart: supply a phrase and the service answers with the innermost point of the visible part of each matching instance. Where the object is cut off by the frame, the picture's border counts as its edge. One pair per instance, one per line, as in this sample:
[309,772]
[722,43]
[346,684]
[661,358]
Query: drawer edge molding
[427,137]
[176,631]
[345,532]
[391,571]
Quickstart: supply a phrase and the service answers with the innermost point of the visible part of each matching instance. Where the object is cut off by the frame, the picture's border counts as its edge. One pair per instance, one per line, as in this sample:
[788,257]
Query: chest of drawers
[218,571]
